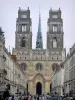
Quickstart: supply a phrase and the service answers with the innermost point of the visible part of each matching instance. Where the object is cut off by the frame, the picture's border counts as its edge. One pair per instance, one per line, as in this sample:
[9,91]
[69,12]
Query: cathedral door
[39,88]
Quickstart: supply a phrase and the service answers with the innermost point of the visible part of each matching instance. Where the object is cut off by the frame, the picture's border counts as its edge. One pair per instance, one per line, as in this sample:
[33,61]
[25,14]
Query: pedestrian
[6,94]
[29,97]
[58,98]
[33,98]
[26,97]
[40,98]
[13,98]
[37,97]
[43,98]
[0,97]
[74,98]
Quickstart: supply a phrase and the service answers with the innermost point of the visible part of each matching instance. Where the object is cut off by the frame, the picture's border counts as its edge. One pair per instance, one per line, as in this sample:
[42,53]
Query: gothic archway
[23,66]
[50,87]
[23,42]
[54,42]
[39,88]
[39,67]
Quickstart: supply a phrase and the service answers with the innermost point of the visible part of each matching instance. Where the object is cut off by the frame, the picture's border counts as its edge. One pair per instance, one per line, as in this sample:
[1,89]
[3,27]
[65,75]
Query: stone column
[30,87]
[47,87]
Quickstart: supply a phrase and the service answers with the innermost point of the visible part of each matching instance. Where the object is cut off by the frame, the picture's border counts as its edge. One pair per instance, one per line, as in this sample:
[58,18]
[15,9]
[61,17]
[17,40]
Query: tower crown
[55,14]
[23,29]
[55,30]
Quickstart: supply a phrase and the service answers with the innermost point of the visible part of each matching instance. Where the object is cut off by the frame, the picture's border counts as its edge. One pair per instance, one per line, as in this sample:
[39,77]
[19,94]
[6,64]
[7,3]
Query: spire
[39,24]
[39,43]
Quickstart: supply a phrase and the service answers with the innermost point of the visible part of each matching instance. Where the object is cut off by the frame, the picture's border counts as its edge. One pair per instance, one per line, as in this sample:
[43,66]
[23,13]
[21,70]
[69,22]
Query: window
[54,42]
[23,43]
[55,67]
[23,67]
[61,29]
[39,67]
[54,28]
[23,28]
[24,16]
[19,27]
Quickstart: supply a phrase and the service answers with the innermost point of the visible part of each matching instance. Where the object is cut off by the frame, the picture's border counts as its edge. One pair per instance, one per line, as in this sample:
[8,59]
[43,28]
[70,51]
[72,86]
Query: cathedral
[39,64]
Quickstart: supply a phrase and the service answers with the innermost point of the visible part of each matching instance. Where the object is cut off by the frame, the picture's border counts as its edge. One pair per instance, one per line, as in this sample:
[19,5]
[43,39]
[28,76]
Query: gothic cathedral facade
[39,64]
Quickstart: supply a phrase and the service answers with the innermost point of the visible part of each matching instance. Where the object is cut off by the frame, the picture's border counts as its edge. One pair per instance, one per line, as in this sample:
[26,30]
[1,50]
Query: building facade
[11,76]
[69,68]
[58,81]
[37,63]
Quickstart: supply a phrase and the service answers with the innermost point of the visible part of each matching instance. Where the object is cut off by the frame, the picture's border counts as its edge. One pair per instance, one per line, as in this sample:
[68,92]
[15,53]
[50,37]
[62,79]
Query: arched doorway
[50,87]
[39,88]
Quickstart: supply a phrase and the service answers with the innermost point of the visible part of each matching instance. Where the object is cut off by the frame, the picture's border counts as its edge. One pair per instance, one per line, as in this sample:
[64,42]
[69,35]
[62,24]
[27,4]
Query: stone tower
[39,42]
[55,30]
[23,30]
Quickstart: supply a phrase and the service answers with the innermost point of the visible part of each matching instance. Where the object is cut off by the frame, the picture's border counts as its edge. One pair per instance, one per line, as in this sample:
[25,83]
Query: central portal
[39,88]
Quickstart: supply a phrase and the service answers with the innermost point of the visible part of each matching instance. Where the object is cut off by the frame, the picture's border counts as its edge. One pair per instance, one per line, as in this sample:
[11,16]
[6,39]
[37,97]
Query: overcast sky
[8,15]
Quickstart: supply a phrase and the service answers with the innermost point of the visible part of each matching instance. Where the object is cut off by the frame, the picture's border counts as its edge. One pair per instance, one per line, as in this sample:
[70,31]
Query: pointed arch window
[39,67]
[23,28]
[23,66]
[54,42]
[54,28]
[23,42]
